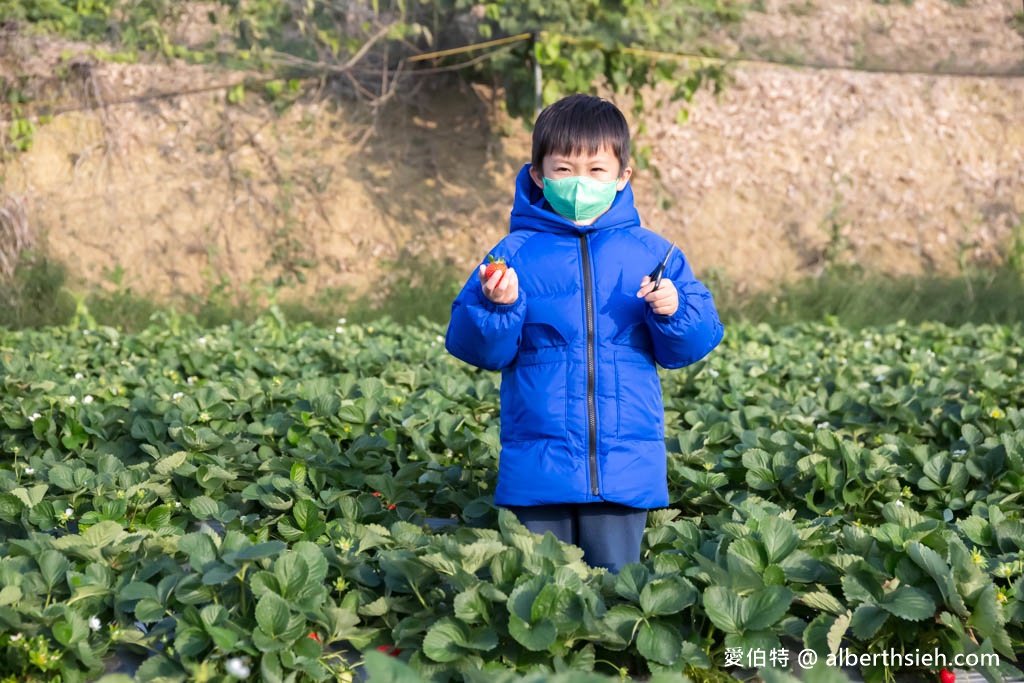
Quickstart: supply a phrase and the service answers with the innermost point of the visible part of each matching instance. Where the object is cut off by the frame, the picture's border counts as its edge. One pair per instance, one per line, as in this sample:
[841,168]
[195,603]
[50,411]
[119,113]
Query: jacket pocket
[641,412]
[534,396]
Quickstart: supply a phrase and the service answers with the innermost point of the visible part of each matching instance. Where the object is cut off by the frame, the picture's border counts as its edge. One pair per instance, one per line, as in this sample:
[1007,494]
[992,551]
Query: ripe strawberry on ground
[495,265]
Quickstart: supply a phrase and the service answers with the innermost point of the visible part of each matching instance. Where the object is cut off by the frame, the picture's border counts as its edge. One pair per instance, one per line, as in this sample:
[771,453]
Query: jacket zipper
[588,298]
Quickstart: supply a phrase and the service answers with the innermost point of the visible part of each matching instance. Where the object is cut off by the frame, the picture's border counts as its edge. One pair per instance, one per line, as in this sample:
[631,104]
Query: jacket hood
[530,211]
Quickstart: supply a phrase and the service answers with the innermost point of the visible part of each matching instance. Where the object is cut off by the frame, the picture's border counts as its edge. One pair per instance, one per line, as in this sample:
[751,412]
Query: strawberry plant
[209,500]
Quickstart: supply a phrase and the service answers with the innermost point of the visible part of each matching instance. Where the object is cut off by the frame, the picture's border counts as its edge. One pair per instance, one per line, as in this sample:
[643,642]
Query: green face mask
[579,198]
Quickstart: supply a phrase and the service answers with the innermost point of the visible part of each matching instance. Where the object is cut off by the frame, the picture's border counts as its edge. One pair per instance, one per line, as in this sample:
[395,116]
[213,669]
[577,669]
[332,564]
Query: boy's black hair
[580,124]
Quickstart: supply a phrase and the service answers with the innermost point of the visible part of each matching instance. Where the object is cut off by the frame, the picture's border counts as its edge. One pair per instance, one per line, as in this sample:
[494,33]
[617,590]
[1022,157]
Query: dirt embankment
[786,170]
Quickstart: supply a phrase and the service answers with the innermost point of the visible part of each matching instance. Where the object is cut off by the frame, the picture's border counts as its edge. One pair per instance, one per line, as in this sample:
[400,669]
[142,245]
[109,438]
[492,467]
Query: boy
[577,327]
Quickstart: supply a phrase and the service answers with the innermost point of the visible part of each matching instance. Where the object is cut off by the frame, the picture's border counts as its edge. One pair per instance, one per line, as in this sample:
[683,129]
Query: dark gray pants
[608,533]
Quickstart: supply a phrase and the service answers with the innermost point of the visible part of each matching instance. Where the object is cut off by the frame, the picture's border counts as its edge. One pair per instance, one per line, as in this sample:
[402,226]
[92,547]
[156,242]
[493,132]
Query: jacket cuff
[502,309]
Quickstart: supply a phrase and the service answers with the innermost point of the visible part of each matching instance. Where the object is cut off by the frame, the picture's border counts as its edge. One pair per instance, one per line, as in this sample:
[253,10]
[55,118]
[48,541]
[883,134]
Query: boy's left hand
[664,300]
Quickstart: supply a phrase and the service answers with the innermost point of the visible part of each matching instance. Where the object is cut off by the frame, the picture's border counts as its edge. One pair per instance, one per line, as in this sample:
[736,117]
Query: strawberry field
[276,500]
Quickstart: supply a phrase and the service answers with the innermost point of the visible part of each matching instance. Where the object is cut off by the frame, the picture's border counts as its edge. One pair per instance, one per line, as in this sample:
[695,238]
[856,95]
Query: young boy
[577,327]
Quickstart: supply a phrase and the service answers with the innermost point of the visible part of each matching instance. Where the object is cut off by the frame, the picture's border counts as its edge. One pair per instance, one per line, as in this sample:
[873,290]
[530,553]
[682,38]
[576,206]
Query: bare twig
[327,67]
[15,236]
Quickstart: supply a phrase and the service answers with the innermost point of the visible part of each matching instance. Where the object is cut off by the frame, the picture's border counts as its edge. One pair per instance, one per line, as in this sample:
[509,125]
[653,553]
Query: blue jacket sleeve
[481,332]
[690,333]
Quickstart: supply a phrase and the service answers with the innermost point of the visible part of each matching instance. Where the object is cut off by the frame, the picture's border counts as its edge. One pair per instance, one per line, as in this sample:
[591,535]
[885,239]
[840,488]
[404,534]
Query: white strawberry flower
[33,417]
[95,624]
[87,400]
[201,341]
[176,395]
[30,470]
[339,329]
[342,321]
[237,667]
[79,375]
[823,425]
[70,400]
[713,372]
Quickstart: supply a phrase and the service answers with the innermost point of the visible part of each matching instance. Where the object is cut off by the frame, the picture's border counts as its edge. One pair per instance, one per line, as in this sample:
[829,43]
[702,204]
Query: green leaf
[837,631]
[31,497]
[550,601]
[765,607]
[272,614]
[382,668]
[292,574]
[757,464]
[137,590]
[631,580]
[104,534]
[820,600]
[203,507]
[305,512]
[909,602]
[620,623]
[972,435]
[780,538]
[148,610]
[259,551]
[659,642]
[200,549]
[170,463]
[535,637]
[940,572]
[667,596]
[866,621]
[977,530]
[217,573]
[191,641]
[211,615]
[724,609]
[445,640]
[10,595]
[158,517]
[160,669]
[63,633]
[988,618]
[54,567]
[10,507]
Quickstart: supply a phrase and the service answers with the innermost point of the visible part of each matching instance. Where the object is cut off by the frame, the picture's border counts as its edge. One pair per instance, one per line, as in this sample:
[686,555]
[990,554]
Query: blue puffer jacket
[582,418]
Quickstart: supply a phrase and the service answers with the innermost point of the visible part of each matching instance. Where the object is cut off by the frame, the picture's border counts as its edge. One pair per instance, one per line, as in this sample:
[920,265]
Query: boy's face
[603,166]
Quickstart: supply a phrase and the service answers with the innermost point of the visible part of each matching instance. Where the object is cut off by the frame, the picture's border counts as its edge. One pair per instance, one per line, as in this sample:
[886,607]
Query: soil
[786,171]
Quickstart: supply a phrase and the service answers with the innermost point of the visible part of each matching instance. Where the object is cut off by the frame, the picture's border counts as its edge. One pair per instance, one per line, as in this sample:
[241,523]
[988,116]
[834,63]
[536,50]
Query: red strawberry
[314,636]
[389,650]
[947,676]
[495,265]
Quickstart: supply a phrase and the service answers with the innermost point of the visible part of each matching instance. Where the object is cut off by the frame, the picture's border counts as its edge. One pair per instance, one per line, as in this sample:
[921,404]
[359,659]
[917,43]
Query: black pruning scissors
[659,270]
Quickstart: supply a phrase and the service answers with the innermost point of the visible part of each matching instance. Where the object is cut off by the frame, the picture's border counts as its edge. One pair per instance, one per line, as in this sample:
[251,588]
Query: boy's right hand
[505,292]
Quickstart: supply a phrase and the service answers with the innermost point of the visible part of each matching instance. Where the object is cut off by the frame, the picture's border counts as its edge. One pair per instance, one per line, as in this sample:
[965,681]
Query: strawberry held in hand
[499,280]
[495,265]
